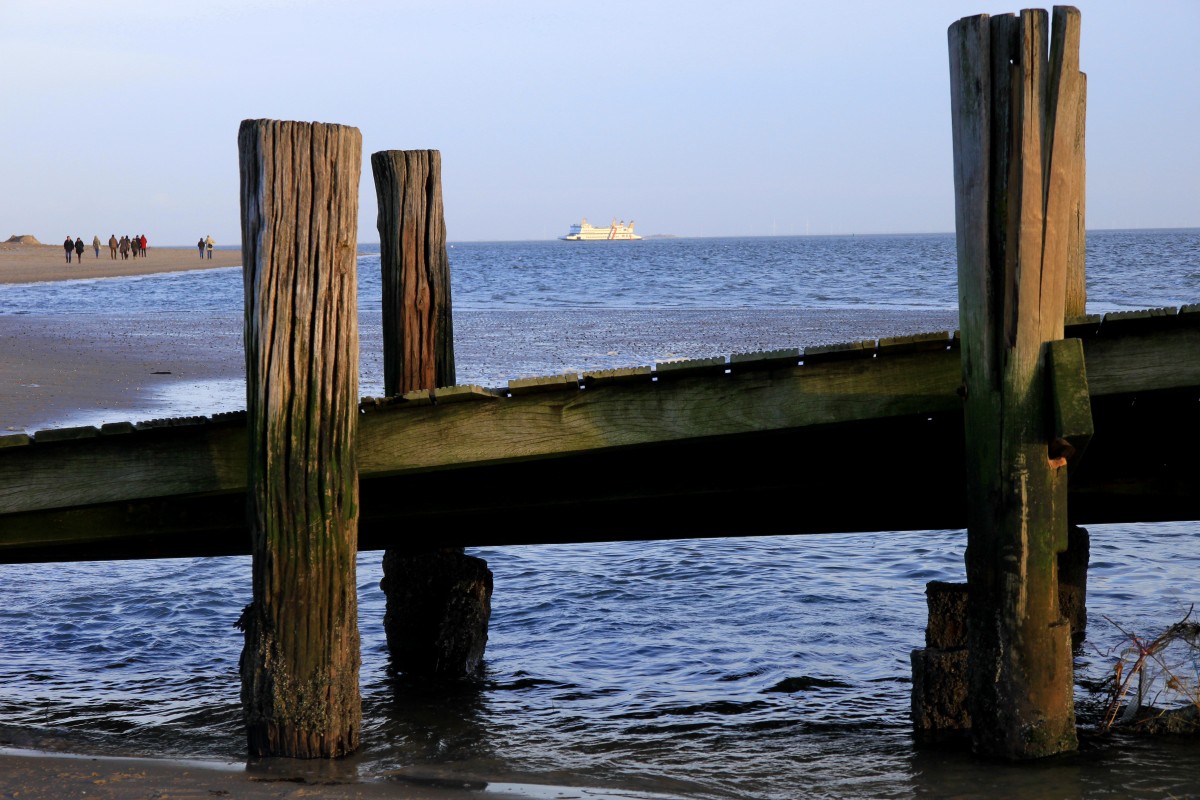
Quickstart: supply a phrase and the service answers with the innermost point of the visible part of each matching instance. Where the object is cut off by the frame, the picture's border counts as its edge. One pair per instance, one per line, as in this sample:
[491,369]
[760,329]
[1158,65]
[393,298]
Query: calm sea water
[709,668]
[1126,270]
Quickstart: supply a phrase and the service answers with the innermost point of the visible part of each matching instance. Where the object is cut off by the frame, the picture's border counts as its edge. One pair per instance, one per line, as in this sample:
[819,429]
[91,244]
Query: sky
[692,118]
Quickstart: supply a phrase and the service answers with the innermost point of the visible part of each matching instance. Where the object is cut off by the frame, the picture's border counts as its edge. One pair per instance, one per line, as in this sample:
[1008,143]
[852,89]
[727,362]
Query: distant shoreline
[36,263]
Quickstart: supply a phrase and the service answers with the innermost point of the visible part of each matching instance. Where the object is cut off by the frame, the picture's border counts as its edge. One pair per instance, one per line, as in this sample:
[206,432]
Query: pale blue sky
[692,118]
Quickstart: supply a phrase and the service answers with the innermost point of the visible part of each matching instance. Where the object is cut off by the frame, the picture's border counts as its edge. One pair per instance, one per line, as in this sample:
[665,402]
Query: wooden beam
[715,486]
[1072,405]
[470,425]
[439,602]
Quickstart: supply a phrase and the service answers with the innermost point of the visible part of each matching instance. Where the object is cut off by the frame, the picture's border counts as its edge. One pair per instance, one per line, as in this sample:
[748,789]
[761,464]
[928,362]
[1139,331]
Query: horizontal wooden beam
[451,428]
[904,473]
[176,475]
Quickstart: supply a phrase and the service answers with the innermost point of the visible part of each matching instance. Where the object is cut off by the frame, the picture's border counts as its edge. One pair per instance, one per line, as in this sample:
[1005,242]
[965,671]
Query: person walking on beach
[209,244]
[112,247]
[96,244]
[79,248]
[144,244]
[124,247]
[135,243]
[200,246]
[69,246]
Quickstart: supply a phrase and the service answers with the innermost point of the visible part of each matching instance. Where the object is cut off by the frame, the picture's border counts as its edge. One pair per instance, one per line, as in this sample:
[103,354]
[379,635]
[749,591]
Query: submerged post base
[939,671]
[438,607]
[1072,579]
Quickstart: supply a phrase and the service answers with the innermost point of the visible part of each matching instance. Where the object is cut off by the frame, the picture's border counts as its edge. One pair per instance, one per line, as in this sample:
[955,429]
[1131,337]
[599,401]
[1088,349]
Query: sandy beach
[31,263]
[53,367]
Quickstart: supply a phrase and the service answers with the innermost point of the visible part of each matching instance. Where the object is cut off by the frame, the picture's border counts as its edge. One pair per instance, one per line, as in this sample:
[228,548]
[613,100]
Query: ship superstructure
[616,231]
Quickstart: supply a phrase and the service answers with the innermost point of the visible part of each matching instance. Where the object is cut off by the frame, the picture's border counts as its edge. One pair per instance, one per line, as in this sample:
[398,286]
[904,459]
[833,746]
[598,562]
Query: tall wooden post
[299,193]
[1016,176]
[438,598]
[418,333]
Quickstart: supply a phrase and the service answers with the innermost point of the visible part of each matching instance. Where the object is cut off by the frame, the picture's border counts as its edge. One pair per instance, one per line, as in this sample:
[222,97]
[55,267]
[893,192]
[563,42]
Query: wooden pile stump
[939,670]
[438,608]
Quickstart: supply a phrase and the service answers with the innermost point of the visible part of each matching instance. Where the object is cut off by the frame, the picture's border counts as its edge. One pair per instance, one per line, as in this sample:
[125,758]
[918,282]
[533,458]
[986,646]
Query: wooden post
[438,598]
[1076,303]
[299,193]
[418,333]
[1014,110]
[1073,562]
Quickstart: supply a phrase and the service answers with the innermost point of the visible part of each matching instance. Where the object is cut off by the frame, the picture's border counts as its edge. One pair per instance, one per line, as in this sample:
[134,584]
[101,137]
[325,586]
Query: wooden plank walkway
[757,443]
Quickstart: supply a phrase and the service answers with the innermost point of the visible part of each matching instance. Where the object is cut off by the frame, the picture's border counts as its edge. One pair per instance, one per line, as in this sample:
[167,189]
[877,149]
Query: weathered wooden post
[418,331]
[940,668]
[1073,562]
[299,195]
[1016,176]
[438,599]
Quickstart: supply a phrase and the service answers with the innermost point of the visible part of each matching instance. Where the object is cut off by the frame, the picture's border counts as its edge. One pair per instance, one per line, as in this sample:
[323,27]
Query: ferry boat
[616,231]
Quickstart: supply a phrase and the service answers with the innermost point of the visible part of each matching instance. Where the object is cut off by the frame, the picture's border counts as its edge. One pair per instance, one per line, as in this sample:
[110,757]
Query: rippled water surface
[707,668]
[698,668]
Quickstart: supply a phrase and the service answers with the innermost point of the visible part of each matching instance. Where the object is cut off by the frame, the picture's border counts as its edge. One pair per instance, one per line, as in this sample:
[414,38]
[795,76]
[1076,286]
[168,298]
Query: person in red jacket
[143,244]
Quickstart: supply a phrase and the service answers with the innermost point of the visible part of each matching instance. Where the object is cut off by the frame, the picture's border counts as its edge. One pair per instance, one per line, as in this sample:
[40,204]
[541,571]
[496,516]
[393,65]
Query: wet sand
[82,369]
[76,369]
[31,775]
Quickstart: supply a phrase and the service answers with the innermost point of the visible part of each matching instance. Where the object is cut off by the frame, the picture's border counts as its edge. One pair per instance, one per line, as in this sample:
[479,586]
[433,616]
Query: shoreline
[84,369]
[44,775]
[41,263]
[67,370]
[37,263]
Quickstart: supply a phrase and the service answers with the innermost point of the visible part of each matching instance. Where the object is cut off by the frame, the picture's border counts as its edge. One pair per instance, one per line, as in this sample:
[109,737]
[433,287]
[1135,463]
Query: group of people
[205,245]
[126,246]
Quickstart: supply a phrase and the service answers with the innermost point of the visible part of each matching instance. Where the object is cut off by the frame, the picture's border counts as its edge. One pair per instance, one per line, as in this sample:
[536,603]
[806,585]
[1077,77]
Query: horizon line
[686,236]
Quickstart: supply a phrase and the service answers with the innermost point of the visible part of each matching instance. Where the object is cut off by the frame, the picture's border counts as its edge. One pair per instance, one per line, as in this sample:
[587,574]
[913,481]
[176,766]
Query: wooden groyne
[1036,420]
[749,444]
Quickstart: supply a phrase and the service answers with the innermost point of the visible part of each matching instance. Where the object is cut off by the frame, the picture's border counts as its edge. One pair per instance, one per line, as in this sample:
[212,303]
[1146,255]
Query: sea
[724,666]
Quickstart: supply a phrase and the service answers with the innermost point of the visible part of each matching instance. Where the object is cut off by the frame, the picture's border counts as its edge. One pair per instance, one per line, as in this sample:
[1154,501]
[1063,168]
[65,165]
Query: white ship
[616,231]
